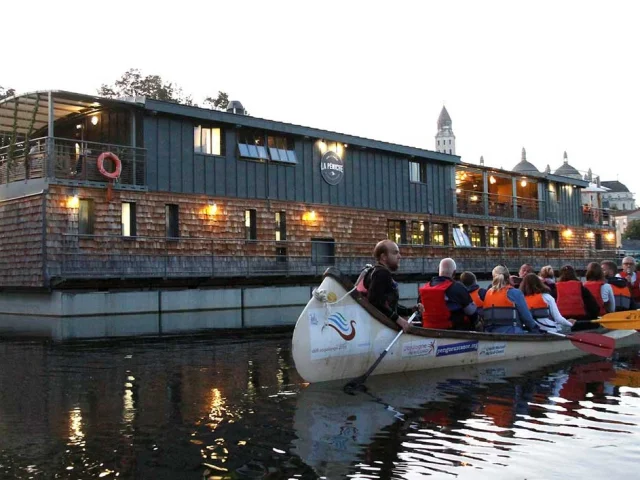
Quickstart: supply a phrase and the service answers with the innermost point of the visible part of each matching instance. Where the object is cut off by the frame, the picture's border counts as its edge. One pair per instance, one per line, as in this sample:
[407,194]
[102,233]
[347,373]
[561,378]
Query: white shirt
[556,319]
[606,292]
[631,279]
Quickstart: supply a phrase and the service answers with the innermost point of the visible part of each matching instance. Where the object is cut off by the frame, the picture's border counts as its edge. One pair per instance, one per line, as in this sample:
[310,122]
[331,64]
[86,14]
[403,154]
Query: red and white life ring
[118,165]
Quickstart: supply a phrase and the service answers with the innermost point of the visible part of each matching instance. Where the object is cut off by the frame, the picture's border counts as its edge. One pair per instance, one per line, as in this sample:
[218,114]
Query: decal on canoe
[420,348]
[339,332]
[346,329]
[492,350]
[456,348]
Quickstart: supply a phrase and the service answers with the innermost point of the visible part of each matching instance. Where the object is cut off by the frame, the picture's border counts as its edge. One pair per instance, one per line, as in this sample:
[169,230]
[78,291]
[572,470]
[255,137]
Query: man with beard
[382,289]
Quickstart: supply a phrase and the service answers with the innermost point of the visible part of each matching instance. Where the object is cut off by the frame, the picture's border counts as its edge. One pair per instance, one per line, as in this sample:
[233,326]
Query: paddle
[362,378]
[629,320]
[593,343]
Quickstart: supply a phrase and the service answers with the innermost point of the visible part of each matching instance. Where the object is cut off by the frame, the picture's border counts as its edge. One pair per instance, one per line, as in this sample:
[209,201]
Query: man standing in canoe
[382,289]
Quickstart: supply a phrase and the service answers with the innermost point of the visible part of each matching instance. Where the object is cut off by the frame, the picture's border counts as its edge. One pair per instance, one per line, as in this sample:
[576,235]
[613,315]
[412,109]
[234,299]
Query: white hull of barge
[342,340]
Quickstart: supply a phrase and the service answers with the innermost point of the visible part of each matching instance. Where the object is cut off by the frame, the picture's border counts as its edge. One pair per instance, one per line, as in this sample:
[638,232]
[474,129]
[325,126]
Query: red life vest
[537,306]
[436,313]
[595,287]
[635,286]
[498,309]
[570,301]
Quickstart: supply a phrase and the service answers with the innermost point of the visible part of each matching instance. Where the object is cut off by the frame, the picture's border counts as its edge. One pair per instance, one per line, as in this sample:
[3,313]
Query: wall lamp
[567,233]
[212,209]
[309,216]
[73,201]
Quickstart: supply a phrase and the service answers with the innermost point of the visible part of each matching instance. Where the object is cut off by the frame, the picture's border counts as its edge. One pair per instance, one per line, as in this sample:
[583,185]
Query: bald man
[447,303]
[382,289]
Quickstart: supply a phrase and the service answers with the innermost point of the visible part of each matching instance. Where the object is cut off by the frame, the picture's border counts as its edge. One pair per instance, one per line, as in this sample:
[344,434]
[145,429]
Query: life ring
[117,171]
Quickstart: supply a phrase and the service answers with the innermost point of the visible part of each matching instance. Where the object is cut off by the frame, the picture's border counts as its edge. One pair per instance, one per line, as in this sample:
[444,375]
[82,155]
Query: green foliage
[633,231]
[8,92]
[132,83]
[220,102]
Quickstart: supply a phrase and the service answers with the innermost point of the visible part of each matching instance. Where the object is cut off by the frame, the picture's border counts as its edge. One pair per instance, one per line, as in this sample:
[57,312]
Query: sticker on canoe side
[456,348]
[492,350]
[420,348]
[340,333]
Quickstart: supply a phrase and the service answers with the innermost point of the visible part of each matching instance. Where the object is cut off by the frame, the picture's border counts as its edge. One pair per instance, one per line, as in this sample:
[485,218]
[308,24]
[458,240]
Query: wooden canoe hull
[341,340]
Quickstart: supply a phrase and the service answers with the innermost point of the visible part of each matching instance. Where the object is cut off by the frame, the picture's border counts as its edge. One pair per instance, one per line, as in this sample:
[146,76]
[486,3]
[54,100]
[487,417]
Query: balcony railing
[100,257]
[69,159]
[597,217]
[473,203]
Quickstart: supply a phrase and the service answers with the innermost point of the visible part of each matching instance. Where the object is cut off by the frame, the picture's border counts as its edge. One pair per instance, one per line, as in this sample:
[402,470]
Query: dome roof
[524,166]
[567,170]
[444,120]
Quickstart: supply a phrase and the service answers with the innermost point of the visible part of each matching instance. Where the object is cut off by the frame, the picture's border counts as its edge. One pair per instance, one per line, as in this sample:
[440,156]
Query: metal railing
[69,159]
[95,257]
[490,204]
[597,217]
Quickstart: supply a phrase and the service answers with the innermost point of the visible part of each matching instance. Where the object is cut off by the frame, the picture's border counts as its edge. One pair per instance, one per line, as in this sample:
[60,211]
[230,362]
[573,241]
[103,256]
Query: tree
[633,231]
[133,83]
[219,103]
[4,93]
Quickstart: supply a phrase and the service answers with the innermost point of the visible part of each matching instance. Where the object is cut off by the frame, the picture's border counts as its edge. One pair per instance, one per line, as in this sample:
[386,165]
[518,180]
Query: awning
[64,104]
[594,188]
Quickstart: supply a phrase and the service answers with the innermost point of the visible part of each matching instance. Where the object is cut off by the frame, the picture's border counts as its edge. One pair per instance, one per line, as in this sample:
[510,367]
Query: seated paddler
[382,289]
[505,309]
[447,303]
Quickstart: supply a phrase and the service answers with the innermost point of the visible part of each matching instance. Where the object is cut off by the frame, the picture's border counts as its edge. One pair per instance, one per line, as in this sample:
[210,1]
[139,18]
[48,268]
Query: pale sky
[549,76]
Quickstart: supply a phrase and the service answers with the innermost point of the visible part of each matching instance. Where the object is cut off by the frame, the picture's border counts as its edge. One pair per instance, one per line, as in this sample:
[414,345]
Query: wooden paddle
[353,384]
[629,320]
[593,343]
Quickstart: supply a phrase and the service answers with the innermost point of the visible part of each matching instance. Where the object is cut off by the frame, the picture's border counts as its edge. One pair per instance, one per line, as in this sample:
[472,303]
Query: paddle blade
[593,343]
[621,320]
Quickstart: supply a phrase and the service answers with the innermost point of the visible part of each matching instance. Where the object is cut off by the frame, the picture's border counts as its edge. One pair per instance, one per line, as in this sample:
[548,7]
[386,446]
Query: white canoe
[342,336]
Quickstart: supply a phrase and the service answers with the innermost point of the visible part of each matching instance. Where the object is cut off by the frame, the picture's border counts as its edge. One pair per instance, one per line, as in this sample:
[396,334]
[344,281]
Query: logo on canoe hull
[346,329]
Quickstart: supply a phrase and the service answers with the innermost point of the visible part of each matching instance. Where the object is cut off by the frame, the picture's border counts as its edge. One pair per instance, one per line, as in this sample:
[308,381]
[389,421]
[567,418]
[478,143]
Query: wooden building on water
[199,197]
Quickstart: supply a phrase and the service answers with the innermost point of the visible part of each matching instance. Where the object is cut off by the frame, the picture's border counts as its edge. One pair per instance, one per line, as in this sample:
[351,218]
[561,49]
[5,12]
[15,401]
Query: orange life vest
[436,313]
[537,306]
[498,309]
[635,286]
[475,296]
[622,296]
[595,287]
[570,301]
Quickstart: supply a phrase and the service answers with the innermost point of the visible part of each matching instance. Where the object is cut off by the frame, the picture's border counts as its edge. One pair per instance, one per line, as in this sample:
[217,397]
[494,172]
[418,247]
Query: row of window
[86,221]
[444,142]
[437,234]
[252,144]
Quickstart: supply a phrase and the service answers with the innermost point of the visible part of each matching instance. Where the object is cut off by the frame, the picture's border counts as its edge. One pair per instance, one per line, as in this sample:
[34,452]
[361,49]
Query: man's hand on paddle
[403,323]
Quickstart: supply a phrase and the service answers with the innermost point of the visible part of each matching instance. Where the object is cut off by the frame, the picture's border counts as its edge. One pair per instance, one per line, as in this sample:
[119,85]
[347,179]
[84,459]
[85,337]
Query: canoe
[339,335]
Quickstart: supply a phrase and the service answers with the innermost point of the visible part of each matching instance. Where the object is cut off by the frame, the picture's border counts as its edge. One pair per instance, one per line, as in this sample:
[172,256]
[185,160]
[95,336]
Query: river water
[234,407]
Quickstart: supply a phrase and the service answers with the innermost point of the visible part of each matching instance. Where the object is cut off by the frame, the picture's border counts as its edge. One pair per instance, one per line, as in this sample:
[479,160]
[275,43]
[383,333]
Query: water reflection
[235,408]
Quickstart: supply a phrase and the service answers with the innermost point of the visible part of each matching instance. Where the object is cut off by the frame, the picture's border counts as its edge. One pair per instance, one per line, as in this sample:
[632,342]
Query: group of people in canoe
[528,302]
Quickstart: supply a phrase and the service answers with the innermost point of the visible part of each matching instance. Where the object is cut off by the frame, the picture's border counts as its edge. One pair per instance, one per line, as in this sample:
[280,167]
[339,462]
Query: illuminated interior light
[492,179]
[94,120]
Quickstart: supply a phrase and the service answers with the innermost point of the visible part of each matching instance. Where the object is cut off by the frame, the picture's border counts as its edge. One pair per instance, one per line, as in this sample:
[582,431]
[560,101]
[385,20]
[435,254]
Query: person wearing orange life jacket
[630,274]
[447,304]
[574,300]
[599,288]
[542,305]
[468,279]
[619,286]
[505,309]
[382,289]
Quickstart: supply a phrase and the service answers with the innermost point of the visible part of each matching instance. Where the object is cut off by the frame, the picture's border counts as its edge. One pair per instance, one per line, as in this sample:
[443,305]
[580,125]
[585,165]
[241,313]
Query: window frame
[419,168]
[399,229]
[280,219]
[172,221]
[433,227]
[221,146]
[132,219]
[251,230]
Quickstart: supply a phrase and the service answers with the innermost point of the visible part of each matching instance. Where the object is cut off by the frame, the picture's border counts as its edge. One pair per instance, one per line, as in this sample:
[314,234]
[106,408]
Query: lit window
[281,226]
[128,219]
[397,231]
[418,233]
[207,140]
[495,237]
[418,172]
[538,239]
[250,231]
[438,233]
[511,238]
